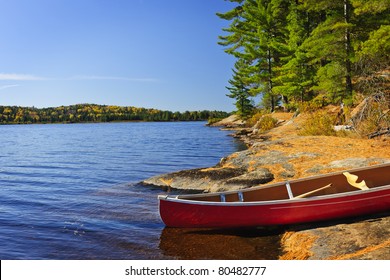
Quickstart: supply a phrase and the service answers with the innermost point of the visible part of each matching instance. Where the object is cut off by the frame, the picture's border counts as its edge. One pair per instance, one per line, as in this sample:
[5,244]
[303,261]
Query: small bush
[266,123]
[318,123]
[211,121]
[250,122]
[312,106]
[374,116]
[375,121]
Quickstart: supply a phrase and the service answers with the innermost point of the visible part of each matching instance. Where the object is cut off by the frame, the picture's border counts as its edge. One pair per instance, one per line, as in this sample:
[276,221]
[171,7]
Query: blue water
[71,191]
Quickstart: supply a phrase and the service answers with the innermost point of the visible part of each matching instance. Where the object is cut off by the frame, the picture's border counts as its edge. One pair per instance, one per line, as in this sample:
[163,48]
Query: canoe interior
[373,176]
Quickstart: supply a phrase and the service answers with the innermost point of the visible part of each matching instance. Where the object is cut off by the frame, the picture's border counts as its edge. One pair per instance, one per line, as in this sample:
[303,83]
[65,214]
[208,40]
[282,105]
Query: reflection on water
[241,244]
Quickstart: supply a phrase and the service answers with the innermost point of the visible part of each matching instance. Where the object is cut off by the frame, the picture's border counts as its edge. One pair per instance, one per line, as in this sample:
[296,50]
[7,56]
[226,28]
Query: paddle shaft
[311,192]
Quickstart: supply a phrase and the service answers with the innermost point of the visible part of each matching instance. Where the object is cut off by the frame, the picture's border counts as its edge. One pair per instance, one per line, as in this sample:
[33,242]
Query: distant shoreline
[135,121]
[93,113]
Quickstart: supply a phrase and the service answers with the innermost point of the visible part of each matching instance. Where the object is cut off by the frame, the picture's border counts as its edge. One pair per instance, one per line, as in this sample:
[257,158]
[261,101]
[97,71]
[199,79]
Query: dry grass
[227,165]
[167,182]
[325,149]
[362,252]
[252,165]
[296,246]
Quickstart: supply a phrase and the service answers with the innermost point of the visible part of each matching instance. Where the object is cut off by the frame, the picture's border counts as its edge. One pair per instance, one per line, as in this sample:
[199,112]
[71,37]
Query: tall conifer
[304,49]
[239,89]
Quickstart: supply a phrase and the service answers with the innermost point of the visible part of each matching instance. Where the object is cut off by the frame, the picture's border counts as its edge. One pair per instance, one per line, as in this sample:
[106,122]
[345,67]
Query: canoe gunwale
[227,210]
[186,198]
[355,193]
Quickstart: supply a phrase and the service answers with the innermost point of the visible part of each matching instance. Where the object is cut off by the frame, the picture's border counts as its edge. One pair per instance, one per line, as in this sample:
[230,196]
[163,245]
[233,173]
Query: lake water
[71,192]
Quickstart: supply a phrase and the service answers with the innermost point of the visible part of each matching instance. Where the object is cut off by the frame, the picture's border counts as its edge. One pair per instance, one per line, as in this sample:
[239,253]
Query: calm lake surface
[71,192]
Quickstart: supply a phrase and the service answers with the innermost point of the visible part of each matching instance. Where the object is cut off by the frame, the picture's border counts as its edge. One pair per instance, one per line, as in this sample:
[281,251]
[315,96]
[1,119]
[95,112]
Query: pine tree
[239,90]
[373,47]
[234,39]
[333,44]
[329,48]
[295,77]
[265,26]
[256,36]
[304,49]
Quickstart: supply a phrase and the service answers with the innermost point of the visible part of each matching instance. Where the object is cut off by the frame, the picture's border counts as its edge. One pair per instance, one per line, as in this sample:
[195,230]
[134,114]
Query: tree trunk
[270,80]
[347,40]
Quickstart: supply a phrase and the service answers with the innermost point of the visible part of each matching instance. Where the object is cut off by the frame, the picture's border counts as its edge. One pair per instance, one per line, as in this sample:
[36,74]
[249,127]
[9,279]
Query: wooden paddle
[312,192]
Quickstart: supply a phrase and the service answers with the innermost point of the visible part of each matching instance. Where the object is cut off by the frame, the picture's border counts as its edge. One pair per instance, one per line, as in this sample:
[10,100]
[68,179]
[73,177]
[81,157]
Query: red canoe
[324,197]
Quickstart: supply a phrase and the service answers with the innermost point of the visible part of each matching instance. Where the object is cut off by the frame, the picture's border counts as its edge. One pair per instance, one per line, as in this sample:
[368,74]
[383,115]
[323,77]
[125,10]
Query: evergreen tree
[333,44]
[239,90]
[256,36]
[265,21]
[234,39]
[373,48]
[295,77]
[304,49]
[329,48]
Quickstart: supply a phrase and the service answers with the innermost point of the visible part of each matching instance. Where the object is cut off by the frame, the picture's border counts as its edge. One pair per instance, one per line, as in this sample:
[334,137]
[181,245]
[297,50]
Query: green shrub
[211,121]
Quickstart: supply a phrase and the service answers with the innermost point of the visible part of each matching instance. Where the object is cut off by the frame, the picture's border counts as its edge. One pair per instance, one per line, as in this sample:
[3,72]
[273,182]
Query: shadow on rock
[336,222]
[237,244]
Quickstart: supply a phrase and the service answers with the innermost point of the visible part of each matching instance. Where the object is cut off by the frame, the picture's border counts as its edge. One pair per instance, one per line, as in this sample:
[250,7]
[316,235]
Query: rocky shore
[281,154]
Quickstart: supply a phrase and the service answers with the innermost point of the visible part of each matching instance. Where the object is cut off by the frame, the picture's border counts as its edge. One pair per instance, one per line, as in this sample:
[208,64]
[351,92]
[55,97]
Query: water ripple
[70,191]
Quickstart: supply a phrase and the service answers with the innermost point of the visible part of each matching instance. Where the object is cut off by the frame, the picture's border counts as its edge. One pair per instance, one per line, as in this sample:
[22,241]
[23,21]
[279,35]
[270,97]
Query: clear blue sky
[147,53]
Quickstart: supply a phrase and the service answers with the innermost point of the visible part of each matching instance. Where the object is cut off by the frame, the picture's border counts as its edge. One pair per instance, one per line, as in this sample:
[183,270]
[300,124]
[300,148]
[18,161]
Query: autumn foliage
[81,113]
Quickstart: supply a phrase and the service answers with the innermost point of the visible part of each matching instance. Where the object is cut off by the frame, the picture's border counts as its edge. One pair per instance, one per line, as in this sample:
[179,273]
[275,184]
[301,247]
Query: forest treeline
[81,113]
[293,51]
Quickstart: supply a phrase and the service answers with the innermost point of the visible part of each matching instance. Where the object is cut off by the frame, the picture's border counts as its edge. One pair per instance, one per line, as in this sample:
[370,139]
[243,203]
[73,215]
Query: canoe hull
[194,214]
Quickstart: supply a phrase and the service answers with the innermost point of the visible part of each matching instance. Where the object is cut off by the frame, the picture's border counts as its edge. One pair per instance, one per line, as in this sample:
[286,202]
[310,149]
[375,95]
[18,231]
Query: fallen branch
[379,133]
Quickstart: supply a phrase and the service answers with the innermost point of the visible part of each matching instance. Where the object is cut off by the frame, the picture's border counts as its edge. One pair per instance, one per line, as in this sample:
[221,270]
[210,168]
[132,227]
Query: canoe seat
[240,195]
[352,180]
[289,191]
